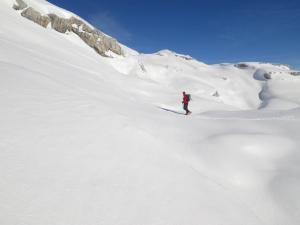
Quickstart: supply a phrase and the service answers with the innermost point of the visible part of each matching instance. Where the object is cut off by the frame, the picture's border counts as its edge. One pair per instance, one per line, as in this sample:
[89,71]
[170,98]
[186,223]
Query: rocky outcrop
[97,40]
[92,37]
[73,24]
[19,5]
[268,76]
[241,66]
[216,94]
[295,73]
[36,17]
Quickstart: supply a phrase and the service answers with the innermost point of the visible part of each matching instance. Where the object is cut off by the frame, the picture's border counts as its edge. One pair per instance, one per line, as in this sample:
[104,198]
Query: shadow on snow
[171,110]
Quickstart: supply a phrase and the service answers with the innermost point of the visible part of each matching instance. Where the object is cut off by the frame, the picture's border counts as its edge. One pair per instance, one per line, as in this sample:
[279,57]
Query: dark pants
[185,107]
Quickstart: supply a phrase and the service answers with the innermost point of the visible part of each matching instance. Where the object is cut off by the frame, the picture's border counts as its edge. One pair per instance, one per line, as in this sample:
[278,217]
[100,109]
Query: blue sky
[211,31]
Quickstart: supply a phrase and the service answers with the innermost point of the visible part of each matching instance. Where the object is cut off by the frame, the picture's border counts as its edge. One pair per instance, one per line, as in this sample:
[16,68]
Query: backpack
[189,97]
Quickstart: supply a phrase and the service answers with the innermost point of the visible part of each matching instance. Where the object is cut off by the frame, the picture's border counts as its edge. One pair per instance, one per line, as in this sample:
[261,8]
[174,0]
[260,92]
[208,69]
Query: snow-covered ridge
[44,8]
[167,52]
[46,14]
[241,85]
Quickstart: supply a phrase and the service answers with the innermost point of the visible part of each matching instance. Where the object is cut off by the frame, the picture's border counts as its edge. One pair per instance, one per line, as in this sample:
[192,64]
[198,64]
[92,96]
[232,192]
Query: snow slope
[230,84]
[92,140]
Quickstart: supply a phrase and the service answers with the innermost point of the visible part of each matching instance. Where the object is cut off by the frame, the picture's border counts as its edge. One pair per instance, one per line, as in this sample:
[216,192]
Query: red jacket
[185,99]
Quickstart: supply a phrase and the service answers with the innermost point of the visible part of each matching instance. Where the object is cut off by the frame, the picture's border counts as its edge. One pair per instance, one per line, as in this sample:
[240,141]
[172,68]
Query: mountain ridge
[69,23]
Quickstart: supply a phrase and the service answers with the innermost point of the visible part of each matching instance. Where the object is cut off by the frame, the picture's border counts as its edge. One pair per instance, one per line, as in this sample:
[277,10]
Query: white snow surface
[87,140]
[45,7]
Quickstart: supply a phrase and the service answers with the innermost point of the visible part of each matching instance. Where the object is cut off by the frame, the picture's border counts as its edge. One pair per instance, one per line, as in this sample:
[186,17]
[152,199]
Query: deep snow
[92,140]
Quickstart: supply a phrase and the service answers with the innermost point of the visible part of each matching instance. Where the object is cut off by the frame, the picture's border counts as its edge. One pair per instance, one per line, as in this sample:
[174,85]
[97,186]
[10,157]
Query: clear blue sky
[211,31]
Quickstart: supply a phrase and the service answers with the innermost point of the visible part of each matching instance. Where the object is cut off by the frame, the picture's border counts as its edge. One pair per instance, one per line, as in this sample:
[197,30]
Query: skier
[185,102]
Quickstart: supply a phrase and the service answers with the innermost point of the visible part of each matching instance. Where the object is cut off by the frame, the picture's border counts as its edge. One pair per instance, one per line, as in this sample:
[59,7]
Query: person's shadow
[171,110]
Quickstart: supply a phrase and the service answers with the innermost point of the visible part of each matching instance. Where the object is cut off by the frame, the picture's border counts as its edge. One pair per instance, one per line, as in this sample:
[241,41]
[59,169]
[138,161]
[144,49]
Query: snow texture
[88,140]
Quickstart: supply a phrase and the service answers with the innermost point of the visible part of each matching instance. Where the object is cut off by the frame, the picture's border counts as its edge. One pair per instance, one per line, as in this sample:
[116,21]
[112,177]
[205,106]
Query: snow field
[91,140]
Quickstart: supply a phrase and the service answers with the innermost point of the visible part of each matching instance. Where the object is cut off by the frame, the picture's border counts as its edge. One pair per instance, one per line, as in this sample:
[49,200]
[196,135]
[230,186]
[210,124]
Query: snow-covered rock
[36,17]
[91,36]
[19,5]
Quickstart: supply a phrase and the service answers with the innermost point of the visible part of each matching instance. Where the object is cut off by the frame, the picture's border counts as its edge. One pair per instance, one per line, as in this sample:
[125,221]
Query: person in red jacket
[185,102]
